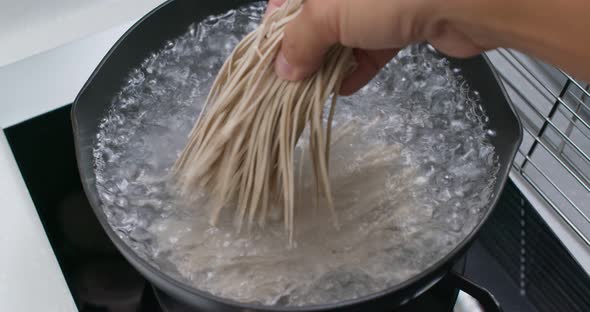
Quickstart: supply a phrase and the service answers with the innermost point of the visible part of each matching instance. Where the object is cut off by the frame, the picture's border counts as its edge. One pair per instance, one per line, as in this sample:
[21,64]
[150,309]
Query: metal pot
[170,20]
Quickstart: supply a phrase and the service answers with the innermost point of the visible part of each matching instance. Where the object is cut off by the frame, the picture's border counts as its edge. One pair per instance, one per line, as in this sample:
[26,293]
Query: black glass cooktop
[439,298]
[516,256]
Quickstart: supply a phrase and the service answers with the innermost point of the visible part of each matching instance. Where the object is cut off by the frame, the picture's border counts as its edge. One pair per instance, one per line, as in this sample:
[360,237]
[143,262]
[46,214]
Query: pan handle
[482,295]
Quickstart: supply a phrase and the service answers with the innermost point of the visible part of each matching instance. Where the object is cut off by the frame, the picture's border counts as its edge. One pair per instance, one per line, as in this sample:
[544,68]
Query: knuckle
[294,51]
[325,16]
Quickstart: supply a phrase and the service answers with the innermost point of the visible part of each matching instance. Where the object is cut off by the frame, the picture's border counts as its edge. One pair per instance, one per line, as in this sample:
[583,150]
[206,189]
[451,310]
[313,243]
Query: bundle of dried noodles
[241,148]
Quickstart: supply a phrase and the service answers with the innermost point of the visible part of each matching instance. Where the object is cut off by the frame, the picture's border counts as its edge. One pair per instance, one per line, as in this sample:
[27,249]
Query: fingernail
[284,70]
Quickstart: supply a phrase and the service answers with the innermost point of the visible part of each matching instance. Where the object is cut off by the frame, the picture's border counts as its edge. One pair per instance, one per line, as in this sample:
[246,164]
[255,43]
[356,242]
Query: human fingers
[369,63]
[365,24]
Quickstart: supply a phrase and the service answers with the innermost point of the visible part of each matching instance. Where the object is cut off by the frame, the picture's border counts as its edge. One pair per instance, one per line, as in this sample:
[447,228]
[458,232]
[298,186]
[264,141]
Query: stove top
[439,298]
[517,257]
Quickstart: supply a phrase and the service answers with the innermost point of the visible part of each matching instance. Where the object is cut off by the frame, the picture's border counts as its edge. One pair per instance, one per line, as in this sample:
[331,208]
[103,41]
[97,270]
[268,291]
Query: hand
[549,29]
[377,29]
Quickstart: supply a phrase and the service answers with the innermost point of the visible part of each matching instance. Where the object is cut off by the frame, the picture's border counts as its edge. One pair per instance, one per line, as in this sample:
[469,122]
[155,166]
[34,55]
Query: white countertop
[30,278]
[51,79]
[29,27]
[43,65]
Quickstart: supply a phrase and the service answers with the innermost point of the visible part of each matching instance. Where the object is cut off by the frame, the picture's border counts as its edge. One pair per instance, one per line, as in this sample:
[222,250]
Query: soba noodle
[241,148]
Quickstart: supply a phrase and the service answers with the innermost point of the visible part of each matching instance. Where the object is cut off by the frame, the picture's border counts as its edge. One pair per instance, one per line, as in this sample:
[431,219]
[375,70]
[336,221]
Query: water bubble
[122,185]
[192,30]
[107,198]
[121,202]
[169,46]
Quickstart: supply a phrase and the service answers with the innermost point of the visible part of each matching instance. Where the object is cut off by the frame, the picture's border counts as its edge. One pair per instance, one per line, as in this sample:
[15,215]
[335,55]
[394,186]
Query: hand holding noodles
[241,148]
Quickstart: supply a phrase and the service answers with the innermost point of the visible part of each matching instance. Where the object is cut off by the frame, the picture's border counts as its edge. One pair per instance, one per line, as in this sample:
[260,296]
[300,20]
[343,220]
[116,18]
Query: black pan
[172,19]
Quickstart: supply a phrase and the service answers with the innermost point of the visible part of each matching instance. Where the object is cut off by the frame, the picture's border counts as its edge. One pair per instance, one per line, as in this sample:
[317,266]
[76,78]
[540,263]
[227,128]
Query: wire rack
[554,156]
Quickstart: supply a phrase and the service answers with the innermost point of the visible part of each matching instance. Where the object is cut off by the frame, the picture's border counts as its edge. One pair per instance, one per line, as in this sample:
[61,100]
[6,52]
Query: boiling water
[411,171]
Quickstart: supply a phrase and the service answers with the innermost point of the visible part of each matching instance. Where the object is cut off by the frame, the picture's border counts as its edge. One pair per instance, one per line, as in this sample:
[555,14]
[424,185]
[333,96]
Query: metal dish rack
[553,163]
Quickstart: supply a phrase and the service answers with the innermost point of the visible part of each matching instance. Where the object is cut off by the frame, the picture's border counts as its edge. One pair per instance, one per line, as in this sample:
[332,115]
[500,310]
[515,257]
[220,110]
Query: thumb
[366,24]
